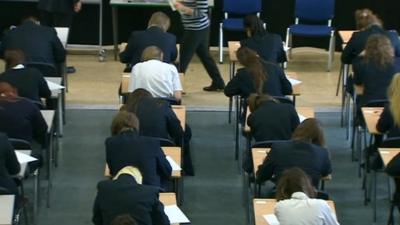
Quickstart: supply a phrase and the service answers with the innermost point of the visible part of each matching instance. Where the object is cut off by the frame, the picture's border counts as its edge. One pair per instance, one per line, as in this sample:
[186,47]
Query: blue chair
[309,15]
[239,9]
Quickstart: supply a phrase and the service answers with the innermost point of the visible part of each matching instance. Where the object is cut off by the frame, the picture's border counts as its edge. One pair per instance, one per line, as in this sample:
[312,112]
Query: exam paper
[293,82]
[53,86]
[24,158]
[301,118]
[174,165]
[171,4]
[271,219]
[175,214]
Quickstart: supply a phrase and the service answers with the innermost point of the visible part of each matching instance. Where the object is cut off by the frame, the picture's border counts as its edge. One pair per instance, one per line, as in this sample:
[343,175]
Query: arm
[174,127]
[327,166]
[234,86]
[294,118]
[385,122]
[44,91]
[348,53]
[164,169]
[174,51]
[58,48]
[157,213]
[200,10]
[39,126]
[126,55]
[266,170]
[285,83]
[11,161]
[176,82]
[393,167]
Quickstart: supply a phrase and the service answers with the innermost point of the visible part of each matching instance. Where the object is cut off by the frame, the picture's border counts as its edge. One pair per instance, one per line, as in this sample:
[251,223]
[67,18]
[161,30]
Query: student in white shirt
[159,78]
[296,203]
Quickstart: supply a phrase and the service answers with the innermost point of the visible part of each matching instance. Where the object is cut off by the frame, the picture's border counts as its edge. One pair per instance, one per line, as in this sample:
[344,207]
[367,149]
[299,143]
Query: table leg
[60,112]
[114,11]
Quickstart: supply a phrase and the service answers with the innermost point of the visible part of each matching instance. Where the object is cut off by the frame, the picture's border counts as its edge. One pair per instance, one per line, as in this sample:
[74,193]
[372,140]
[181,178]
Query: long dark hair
[134,99]
[379,50]
[254,65]
[253,24]
[256,100]
[310,130]
[294,180]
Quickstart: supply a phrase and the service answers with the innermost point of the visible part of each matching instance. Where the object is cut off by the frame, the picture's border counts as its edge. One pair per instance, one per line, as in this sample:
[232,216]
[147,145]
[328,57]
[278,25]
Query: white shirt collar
[19,66]
[300,196]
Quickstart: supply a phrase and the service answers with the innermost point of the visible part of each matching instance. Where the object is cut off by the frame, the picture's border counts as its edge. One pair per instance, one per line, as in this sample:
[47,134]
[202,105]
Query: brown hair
[134,99]
[7,90]
[253,64]
[310,130]
[379,50]
[13,57]
[161,20]
[293,180]
[152,52]
[254,25]
[365,18]
[256,100]
[124,219]
[394,98]
[123,121]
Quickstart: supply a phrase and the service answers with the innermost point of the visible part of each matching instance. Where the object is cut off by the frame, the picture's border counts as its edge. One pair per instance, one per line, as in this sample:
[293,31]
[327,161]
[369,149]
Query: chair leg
[375,187]
[221,43]
[331,51]
[288,44]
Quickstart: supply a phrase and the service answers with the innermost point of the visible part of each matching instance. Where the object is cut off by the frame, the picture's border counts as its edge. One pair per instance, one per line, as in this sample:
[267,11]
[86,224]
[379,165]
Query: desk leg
[60,112]
[114,11]
[231,65]
[35,196]
[49,164]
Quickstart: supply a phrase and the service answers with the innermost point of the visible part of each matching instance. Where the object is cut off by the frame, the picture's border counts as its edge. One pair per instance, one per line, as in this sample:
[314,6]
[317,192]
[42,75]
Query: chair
[164,142]
[311,13]
[239,9]
[283,99]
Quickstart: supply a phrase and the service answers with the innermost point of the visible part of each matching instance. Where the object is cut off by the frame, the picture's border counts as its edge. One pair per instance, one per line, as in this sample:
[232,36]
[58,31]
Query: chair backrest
[5,191]
[376,103]
[393,142]
[315,10]
[266,144]
[20,144]
[47,69]
[164,142]
[283,99]
[242,7]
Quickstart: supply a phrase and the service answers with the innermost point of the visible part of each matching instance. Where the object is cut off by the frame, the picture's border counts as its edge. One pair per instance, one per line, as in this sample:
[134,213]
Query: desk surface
[125,83]
[147,3]
[345,35]
[168,198]
[174,152]
[371,117]
[267,206]
[233,46]
[388,154]
[48,116]
[180,111]
[307,112]
[6,209]
[258,155]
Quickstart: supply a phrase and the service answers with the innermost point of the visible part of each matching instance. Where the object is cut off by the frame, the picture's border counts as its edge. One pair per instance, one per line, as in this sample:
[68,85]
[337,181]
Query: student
[127,148]
[156,34]
[389,121]
[125,194]
[305,150]
[194,15]
[367,24]
[157,119]
[159,78]
[58,13]
[257,76]
[267,45]
[28,81]
[296,204]
[19,117]
[124,219]
[271,120]
[9,165]
[374,71]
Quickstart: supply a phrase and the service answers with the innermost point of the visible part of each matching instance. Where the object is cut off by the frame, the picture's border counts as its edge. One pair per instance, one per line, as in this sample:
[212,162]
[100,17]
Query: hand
[182,8]
[77,6]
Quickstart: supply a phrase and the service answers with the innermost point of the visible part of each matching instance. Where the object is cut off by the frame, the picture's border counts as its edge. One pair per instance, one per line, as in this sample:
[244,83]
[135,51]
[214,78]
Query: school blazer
[269,47]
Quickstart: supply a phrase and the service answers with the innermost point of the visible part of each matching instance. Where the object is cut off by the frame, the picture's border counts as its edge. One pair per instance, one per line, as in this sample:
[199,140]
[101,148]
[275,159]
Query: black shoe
[214,88]
[71,69]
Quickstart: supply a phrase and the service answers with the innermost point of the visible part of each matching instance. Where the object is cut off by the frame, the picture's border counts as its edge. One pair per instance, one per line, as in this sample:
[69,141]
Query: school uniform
[386,123]
[269,47]
[9,165]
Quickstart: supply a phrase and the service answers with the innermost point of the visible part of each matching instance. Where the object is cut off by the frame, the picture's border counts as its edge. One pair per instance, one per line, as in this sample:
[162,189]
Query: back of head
[7,90]
[394,98]
[293,180]
[13,57]
[124,219]
[134,99]
[152,52]
[252,63]
[256,100]
[254,25]
[31,18]
[161,20]
[366,18]
[310,130]
[379,50]
[124,121]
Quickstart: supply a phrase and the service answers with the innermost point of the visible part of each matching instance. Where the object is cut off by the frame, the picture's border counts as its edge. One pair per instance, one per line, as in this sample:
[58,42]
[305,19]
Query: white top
[302,210]
[159,78]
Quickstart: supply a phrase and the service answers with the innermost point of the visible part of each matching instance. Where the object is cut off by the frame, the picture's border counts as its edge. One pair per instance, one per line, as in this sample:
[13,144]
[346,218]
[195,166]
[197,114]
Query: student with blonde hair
[389,121]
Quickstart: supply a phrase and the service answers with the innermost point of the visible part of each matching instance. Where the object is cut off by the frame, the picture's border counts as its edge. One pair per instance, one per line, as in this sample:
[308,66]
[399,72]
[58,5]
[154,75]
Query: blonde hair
[394,98]
[365,18]
[161,20]
[132,171]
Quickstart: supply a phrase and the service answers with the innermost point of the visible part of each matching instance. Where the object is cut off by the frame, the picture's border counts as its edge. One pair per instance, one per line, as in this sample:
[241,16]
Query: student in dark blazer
[39,43]
[126,195]
[156,34]
[29,82]
[305,150]
[374,72]
[157,119]
[20,118]
[58,13]
[271,120]
[127,148]
[9,165]
[268,46]
[257,76]
[368,24]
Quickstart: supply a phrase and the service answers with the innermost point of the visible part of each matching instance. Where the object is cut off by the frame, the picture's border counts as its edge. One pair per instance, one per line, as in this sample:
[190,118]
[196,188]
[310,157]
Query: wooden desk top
[267,206]
[6,209]
[233,46]
[125,83]
[168,198]
[180,111]
[258,155]
[345,35]
[174,152]
[388,154]
[48,116]
[371,117]
[307,112]
[296,88]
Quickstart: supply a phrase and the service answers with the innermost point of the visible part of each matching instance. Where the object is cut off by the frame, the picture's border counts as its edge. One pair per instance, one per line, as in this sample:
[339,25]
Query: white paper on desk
[293,82]
[271,219]
[53,86]
[172,4]
[301,117]
[174,165]
[175,214]
[24,158]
